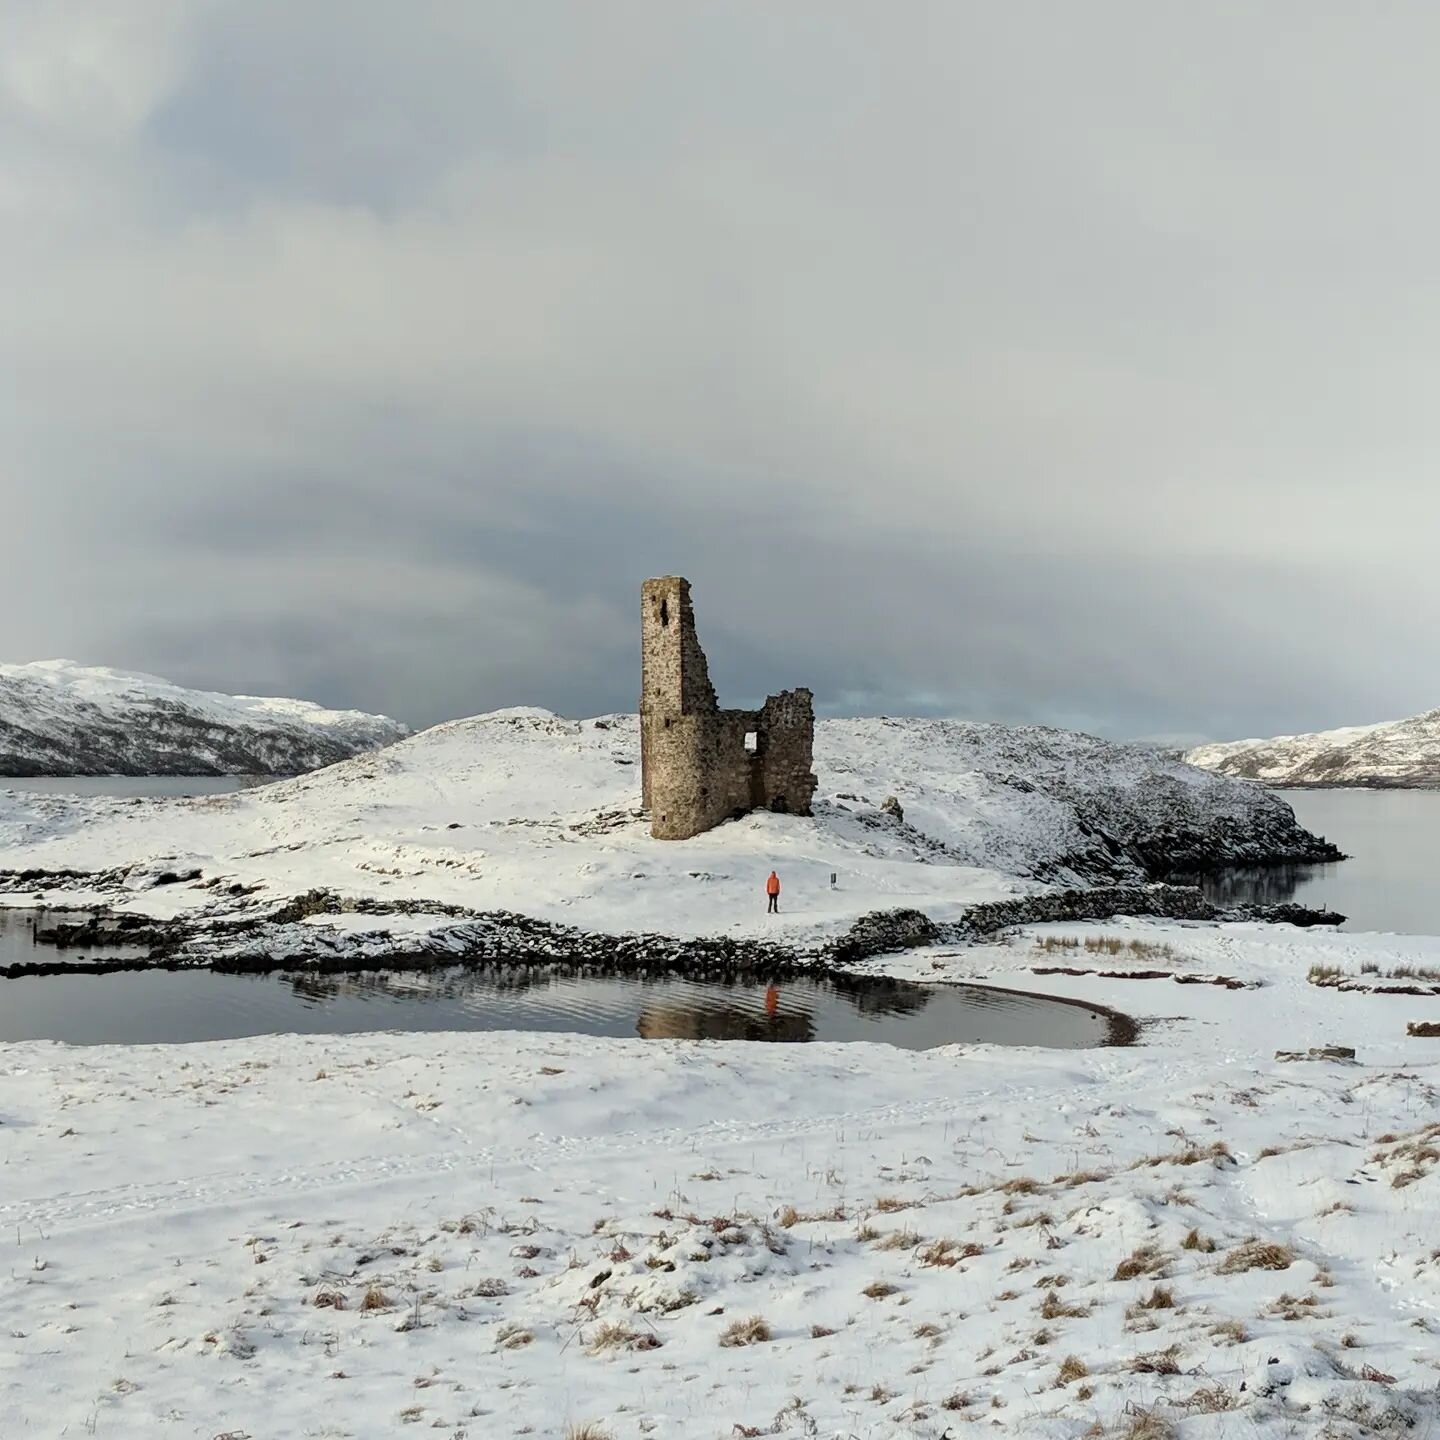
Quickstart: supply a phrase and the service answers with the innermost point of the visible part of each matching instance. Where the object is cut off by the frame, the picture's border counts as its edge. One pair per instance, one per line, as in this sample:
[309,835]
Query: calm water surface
[161,1007]
[1390,883]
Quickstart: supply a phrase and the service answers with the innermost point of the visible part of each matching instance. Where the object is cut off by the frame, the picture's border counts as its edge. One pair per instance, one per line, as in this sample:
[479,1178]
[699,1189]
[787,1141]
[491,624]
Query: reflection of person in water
[772,999]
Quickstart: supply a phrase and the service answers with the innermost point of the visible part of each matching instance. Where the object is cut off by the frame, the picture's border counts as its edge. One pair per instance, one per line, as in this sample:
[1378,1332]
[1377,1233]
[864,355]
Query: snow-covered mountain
[1400,754]
[59,718]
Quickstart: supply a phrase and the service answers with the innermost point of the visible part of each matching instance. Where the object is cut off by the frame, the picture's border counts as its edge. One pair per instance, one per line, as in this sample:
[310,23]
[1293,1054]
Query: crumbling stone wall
[701,765]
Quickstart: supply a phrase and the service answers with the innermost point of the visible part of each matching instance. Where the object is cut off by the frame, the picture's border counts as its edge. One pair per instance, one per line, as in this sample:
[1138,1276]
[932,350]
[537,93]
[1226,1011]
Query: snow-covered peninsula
[1399,754]
[59,718]
[520,811]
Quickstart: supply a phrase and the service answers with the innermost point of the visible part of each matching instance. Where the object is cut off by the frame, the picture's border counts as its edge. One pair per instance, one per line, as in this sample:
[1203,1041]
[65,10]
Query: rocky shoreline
[281,940]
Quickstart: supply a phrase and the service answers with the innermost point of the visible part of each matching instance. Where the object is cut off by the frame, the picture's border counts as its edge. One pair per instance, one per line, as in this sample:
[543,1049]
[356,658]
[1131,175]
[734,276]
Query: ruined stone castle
[701,765]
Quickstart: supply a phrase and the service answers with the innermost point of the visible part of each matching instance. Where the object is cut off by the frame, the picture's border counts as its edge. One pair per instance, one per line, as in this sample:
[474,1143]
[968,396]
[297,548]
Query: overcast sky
[1027,361]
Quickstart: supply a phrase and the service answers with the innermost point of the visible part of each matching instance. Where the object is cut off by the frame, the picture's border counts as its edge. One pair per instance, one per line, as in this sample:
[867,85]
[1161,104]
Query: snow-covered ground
[1399,753]
[60,718]
[516,1234]
[507,1234]
[522,811]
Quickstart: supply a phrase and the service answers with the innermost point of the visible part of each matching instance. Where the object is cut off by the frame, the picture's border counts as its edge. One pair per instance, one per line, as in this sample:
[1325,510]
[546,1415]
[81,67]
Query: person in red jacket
[772,889]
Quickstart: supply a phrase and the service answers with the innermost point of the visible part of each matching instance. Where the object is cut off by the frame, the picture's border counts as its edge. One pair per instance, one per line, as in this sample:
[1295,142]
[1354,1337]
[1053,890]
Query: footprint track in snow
[226,1188]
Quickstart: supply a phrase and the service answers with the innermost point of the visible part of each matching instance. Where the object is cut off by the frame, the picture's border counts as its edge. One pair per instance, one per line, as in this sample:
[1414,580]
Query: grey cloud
[1046,363]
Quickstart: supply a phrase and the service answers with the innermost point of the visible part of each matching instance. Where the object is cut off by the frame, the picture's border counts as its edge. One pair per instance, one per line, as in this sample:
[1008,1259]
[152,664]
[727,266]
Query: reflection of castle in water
[593,1000]
[702,1022]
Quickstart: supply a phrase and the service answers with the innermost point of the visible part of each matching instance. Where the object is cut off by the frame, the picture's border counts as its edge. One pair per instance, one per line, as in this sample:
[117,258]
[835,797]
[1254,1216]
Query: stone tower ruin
[701,765]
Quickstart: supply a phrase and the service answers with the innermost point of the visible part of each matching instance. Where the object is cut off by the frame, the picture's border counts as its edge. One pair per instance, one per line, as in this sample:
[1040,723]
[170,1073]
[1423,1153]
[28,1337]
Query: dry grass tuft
[905,1239]
[1209,1401]
[889,1204]
[329,1300]
[1162,1297]
[1146,1260]
[589,1430]
[1256,1254]
[1081,1177]
[1217,1153]
[1196,1241]
[613,1335]
[879,1289]
[957,1400]
[375,1299]
[1231,1330]
[1157,1362]
[1143,1424]
[1052,1307]
[820,1332]
[949,1252]
[1071,1368]
[755,1330]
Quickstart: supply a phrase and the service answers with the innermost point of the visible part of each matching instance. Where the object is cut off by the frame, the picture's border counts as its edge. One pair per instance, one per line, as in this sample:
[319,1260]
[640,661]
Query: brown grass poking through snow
[375,1299]
[1218,1153]
[940,1252]
[905,1239]
[1209,1401]
[879,1289]
[1196,1241]
[1232,1330]
[1071,1368]
[590,1430]
[754,1330]
[1146,1260]
[1162,1297]
[1256,1254]
[612,1335]
[1157,1362]
[1147,1425]
[1052,1307]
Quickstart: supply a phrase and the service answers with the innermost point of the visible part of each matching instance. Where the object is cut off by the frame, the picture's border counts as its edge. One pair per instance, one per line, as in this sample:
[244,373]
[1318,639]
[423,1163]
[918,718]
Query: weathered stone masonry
[701,765]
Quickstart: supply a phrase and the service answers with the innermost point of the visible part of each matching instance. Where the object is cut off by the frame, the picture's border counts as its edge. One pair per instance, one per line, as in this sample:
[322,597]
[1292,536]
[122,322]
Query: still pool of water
[165,1007]
[1391,882]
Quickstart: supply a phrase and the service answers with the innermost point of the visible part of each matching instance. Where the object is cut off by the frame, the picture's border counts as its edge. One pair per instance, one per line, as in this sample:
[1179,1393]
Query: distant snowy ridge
[60,718]
[1400,754]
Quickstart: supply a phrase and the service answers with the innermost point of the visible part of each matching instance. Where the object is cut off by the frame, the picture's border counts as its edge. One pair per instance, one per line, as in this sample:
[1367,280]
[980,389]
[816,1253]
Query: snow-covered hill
[59,718]
[522,811]
[1403,754]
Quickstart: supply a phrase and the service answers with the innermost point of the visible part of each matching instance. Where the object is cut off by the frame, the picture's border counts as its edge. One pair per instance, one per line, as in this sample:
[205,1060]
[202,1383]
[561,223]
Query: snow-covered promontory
[59,718]
[1400,754]
[523,812]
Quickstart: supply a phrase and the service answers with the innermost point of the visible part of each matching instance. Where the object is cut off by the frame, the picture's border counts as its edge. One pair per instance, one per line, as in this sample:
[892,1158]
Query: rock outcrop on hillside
[59,718]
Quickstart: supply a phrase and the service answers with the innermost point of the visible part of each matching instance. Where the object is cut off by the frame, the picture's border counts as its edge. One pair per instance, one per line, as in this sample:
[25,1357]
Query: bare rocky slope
[1404,754]
[59,718]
